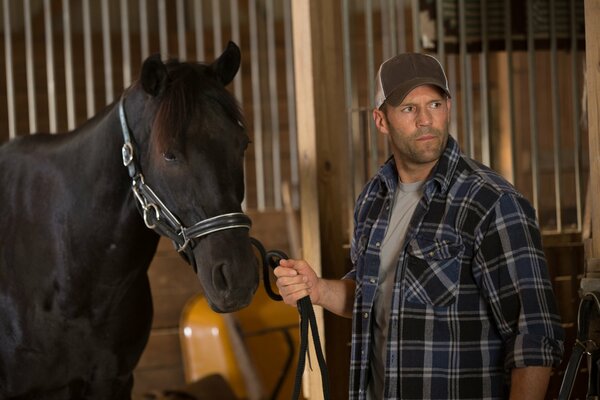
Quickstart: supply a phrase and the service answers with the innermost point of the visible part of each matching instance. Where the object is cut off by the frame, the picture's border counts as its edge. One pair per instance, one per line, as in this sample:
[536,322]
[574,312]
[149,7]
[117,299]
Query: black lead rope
[307,317]
[589,309]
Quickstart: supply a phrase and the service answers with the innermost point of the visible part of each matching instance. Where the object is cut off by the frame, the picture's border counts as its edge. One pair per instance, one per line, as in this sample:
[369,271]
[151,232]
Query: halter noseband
[157,215]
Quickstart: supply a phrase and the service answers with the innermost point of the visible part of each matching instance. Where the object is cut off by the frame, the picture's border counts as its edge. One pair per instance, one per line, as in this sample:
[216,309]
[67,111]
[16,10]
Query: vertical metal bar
[385,30]
[373,161]
[273,103]
[181,42]
[162,29]
[106,45]
[575,106]
[555,116]
[199,30]
[533,121]
[416,23]
[439,23]
[69,86]
[347,59]
[29,65]
[144,41]
[50,77]
[451,72]
[125,45]
[217,32]
[485,106]
[87,59]
[393,24]
[8,56]
[511,106]
[402,26]
[256,106]
[291,103]
[465,78]
[236,37]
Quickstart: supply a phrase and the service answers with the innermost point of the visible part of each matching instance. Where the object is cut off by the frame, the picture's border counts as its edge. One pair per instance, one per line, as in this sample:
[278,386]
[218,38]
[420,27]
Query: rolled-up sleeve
[516,284]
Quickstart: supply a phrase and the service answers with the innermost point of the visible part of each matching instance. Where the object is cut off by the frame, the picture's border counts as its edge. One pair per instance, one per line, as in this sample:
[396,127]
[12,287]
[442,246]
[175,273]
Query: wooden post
[322,144]
[591,280]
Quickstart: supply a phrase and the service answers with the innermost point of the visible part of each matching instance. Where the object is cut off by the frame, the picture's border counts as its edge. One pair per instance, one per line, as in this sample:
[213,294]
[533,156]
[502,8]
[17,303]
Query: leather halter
[157,215]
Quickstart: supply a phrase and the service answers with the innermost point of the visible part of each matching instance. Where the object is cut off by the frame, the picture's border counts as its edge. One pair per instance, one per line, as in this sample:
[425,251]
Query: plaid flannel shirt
[472,297]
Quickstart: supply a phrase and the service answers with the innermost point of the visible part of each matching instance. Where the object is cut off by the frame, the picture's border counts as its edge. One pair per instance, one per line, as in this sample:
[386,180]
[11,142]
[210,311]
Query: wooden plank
[323,167]
[592,49]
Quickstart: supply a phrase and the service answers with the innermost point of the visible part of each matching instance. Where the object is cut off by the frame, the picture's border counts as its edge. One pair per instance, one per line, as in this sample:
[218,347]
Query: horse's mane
[188,85]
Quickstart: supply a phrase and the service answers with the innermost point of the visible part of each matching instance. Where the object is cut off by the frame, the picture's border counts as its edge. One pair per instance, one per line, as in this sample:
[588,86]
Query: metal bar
[144,41]
[416,26]
[68,50]
[181,40]
[451,72]
[8,56]
[125,43]
[199,30]
[162,29]
[273,103]
[349,101]
[256,106]
[106,45]
[439,23]
[31,108]
[385,30]
[373,159]
[87,60]
[465,75]
[511,106]
[391,11]
[236,37]
[402,24]
[50,76]
[484,68]
[217,32]
[291,103]
[575,105]
[533,121]
[555,117]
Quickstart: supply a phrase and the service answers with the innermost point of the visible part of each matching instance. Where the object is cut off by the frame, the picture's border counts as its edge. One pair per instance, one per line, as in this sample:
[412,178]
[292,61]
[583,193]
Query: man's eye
[408,109]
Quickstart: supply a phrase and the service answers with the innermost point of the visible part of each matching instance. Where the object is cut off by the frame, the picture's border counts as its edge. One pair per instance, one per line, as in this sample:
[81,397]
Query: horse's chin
[223,308]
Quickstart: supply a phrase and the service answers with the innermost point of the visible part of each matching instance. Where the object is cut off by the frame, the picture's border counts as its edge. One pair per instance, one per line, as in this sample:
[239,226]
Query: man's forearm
[337,296]
[529,383]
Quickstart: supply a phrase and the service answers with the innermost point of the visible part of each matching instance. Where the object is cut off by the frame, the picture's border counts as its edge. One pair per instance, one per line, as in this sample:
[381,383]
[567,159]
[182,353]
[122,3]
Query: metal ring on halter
[156,214]
[127,153]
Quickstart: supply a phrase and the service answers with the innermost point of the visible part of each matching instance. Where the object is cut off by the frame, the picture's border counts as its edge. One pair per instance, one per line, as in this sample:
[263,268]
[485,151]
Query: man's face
[417,129]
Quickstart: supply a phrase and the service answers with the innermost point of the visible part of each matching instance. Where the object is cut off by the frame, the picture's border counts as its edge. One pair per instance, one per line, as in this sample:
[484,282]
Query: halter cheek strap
[157,215]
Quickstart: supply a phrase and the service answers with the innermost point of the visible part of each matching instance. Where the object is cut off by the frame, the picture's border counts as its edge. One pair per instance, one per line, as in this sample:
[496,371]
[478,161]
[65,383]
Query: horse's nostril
[219,278]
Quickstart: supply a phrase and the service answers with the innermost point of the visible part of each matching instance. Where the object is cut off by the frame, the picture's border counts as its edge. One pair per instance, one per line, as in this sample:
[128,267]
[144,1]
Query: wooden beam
[592,50]
[322,144]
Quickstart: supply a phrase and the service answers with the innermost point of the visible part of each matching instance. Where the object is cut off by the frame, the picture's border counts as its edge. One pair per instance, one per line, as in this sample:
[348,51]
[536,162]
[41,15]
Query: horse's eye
[169,156]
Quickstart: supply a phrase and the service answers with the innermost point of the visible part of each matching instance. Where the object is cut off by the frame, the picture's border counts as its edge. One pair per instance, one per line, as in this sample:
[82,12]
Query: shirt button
[366,315]
[378,244]
[372,280]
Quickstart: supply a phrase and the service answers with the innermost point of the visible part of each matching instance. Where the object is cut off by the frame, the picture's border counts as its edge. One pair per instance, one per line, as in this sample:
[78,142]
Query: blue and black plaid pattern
[472,296]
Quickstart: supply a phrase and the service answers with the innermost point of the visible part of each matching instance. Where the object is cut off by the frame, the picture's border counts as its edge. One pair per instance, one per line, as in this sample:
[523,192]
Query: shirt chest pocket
[432,272]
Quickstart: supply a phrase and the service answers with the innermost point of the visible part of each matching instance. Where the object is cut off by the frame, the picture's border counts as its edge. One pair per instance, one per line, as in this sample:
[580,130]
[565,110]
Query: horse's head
[192,143]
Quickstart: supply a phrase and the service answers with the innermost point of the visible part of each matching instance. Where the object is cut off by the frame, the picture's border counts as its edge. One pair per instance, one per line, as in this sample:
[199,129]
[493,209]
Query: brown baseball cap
[400,74]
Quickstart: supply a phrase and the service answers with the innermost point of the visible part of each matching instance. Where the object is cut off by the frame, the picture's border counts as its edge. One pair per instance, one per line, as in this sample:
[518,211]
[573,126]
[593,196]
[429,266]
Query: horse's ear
[154,75]
[228,63]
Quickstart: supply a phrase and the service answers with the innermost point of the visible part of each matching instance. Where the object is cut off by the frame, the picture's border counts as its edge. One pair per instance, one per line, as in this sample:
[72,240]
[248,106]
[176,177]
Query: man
[449,294]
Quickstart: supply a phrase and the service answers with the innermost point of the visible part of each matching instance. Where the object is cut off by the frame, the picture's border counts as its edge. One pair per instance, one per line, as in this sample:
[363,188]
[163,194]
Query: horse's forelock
[188,86]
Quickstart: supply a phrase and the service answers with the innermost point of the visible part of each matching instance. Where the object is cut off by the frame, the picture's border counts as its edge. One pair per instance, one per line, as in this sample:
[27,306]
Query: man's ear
[381,122]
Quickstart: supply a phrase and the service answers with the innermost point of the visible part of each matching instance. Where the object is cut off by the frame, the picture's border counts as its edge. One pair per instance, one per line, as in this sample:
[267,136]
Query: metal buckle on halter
[147,208]
[127,153]
[589,346]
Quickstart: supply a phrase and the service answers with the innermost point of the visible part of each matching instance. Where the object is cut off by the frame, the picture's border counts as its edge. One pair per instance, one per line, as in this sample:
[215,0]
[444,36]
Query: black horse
[75,305]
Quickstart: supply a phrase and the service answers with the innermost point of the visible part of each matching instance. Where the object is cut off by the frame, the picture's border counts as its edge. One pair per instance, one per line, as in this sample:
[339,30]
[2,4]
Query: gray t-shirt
[406,198]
